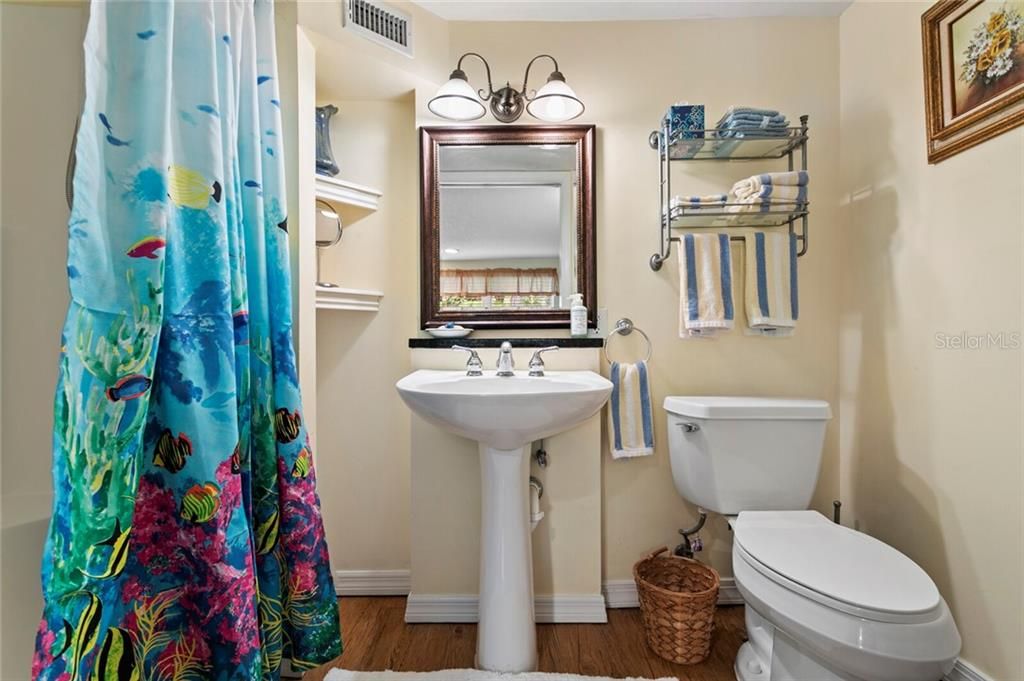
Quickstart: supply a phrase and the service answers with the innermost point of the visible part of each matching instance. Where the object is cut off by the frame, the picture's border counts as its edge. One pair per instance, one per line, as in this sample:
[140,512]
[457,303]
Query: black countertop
[445,343]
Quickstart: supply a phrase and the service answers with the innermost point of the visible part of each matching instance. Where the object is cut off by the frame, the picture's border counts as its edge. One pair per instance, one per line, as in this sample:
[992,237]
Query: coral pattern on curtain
[186,540]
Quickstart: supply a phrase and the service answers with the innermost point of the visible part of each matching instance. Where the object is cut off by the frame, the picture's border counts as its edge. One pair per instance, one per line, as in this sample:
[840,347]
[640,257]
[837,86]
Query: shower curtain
[186,540]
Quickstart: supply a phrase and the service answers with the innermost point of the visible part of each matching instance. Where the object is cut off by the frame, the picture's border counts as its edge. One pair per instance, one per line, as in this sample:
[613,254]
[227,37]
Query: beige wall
[931,437]
[363,428]
[38,45]
[361,457]
[362,436]
[628,73]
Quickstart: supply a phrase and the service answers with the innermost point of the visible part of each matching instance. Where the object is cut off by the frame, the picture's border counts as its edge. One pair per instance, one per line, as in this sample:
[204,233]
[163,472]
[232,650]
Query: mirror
[507,225]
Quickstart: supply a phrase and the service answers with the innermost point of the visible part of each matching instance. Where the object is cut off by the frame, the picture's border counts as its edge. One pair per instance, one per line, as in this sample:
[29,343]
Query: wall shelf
[352,201]
[710,146]
[355,299]
[695,218]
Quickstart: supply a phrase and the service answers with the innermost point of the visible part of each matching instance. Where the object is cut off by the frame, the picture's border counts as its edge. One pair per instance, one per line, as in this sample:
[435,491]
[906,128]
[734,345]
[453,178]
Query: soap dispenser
[577,316]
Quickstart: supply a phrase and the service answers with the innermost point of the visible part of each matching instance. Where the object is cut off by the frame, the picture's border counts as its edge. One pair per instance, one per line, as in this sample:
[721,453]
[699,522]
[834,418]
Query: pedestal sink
[504,414]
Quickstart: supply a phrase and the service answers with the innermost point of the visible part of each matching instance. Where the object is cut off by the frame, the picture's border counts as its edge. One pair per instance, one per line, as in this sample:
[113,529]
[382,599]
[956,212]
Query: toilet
[824,602]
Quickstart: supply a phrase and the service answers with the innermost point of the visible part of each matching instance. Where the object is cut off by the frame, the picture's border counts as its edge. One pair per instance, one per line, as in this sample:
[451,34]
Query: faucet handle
[537,362]
[474,367]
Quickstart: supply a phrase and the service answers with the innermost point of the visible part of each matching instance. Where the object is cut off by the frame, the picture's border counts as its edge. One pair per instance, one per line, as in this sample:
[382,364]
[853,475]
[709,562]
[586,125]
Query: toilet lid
[835,561]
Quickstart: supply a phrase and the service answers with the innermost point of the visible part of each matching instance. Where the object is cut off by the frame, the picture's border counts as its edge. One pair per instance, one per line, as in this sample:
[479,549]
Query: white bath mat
[467,675]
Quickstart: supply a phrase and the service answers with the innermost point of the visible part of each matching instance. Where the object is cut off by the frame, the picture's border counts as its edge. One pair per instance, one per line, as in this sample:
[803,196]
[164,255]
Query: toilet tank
[733,454]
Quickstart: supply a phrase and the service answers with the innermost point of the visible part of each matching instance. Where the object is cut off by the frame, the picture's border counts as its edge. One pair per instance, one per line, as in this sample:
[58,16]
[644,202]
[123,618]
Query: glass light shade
[456,101]
[555,102]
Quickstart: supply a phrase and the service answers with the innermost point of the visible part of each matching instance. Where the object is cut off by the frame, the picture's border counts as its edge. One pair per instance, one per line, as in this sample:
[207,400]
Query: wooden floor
[376,638]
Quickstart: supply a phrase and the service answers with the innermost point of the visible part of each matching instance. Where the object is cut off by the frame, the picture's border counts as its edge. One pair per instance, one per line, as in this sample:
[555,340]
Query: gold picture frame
[973,72]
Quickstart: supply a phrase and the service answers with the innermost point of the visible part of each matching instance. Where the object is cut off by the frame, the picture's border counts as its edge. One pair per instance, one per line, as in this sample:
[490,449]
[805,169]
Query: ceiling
[626,10]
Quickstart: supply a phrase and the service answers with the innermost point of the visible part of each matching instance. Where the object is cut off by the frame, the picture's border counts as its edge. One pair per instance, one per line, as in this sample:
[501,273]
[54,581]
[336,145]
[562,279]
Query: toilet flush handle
[689,427]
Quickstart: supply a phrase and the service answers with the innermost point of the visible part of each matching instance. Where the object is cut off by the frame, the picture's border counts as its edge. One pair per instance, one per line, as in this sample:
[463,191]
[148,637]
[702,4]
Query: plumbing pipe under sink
[536,492]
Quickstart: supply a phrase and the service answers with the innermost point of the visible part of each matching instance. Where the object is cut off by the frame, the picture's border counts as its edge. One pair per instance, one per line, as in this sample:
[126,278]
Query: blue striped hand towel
[630,421]
[753,184]
[774,192]
[705,285]
[772,302]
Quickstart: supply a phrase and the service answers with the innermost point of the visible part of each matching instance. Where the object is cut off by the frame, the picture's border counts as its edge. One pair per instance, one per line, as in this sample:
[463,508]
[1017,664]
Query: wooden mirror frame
[431,139]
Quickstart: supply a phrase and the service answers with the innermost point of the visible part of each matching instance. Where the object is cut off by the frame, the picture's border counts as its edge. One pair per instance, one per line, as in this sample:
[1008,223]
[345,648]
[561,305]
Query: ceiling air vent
[380,23]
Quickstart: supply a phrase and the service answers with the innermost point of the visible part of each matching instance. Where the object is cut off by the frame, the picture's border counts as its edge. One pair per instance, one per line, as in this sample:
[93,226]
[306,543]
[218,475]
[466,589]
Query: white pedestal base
[506,635]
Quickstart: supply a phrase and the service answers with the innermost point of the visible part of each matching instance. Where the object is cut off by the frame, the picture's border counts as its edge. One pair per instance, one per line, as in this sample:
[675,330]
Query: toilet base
[770,655]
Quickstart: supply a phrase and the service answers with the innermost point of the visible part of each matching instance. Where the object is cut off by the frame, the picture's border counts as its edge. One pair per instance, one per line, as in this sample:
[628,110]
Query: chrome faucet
[505,361]
[537,362]
[474,367]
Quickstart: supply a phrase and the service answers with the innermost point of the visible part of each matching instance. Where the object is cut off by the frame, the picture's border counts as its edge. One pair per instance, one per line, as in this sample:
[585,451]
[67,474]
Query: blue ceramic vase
[325,163]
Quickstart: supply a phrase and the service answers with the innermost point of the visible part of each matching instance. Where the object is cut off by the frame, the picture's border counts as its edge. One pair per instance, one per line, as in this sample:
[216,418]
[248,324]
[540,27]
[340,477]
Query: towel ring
[624,327]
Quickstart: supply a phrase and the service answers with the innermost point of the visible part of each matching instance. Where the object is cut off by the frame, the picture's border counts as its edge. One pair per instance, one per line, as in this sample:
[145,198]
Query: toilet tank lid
[721,407]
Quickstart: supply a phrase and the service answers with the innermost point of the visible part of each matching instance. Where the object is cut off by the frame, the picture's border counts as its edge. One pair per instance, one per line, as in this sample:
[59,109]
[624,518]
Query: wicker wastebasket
[677,603]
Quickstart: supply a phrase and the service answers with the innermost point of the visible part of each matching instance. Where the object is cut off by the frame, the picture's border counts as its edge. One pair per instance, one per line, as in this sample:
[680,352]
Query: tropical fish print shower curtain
[186,540]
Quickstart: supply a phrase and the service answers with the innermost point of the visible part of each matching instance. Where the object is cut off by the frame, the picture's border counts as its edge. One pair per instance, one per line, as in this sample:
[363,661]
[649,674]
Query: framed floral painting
[973,72]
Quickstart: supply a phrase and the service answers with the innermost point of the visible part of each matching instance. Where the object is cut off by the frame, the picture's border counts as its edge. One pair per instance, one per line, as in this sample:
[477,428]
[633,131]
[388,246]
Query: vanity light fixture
[451,251]
[555,102]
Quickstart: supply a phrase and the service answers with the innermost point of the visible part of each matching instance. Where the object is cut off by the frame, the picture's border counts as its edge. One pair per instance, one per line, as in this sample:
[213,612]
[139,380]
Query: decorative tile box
[685,129]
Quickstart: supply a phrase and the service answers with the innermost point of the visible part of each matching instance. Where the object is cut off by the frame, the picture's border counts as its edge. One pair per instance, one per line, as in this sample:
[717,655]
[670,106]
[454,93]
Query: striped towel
[751,185]
[772,303]
[776,192]
[630,421]
[680,205]
[705,285]
[746,111]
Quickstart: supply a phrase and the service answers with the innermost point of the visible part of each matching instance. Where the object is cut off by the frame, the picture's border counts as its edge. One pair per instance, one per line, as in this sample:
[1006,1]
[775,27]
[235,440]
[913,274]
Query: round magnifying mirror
[328,233]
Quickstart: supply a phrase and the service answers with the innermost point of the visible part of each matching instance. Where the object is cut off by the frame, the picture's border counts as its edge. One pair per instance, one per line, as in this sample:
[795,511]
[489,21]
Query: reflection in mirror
[507,227]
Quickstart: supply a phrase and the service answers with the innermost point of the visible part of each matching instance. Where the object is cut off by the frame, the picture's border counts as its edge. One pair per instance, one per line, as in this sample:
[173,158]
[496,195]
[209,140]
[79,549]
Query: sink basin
[504,414]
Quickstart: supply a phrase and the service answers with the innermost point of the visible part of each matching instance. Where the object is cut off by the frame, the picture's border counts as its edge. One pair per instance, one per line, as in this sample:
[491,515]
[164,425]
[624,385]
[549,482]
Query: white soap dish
[452,331]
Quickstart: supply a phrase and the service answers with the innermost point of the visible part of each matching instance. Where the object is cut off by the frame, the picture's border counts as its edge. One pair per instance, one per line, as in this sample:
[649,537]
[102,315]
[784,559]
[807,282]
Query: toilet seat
[788,567]
[836,566]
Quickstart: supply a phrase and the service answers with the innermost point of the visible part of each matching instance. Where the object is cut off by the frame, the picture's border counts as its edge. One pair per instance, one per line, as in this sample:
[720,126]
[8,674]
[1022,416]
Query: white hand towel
[772,192]
[705,285]
[751,185]
[630,420]
[772,303]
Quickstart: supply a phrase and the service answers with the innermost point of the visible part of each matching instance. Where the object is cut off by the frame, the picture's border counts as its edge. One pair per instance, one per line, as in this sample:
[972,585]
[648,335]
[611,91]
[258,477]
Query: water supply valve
[692,543]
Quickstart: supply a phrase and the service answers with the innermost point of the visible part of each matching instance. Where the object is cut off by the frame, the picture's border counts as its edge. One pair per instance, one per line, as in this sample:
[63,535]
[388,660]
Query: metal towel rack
[714,148]
[624,327]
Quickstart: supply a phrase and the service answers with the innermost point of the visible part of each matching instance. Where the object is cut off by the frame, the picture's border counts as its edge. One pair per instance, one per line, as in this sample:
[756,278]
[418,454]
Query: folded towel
[752,121]
[753,184]
[630,421]
[747,110]
[754,133]
[764,206]
[705,285]
[772,304]
[680,204]
[780,192]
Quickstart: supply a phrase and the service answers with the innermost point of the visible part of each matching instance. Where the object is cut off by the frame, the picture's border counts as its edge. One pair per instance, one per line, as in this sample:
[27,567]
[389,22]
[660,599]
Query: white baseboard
[372,582]
[621,593]
[965,671]
[557,608]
